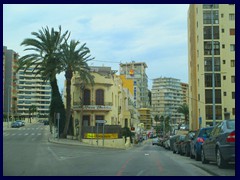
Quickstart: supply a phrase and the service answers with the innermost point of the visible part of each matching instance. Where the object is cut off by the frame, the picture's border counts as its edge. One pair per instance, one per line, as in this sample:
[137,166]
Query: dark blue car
[196,143]
[220,145]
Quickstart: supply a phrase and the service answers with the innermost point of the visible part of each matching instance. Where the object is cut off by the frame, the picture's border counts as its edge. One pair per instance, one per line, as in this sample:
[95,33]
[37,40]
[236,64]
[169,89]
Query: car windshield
[231,124]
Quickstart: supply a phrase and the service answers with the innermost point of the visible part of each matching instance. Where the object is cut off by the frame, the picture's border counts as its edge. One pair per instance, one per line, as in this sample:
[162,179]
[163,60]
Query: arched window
[86,99]
[99,97]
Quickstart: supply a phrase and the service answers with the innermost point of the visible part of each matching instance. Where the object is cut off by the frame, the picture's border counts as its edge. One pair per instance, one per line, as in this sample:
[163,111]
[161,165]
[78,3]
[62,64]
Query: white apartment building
[33,91]
[167,96]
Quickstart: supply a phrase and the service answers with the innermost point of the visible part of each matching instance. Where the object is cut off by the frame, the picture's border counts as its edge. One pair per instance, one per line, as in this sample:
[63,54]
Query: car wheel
[204,161]
[197,157]
[221,163]
[190,154]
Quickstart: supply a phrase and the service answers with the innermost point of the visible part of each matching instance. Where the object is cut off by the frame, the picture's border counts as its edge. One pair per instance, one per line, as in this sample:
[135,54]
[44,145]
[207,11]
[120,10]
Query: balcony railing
[107,106]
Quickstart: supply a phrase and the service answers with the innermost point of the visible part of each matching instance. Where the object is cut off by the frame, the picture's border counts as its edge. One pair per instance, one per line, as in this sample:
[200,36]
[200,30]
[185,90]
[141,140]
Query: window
[233,95]
[99,97]
[208,96]
[207,32]
[126,123]
[232,47]
[232,17]
[222,30]
[208,48]
[224,61]
[210,6]
[208,80]
[86,99]
[224,77]
[232,32]
[225,109]
[222,15]
[86,120]
[233,111]
[223,46]
[208,64]
[207,17]
[225,93]
[233,79]
[232,63]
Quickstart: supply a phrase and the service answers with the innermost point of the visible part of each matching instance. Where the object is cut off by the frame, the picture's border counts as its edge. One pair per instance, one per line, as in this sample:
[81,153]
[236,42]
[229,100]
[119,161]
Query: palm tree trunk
[56,105]
[68,75]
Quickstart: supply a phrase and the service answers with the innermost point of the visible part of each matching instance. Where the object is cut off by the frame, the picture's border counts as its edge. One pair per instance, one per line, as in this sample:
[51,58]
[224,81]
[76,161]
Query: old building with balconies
[106,100]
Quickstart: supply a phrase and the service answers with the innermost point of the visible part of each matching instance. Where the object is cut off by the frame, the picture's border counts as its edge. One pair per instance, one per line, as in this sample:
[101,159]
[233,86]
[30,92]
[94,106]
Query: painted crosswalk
[26,131]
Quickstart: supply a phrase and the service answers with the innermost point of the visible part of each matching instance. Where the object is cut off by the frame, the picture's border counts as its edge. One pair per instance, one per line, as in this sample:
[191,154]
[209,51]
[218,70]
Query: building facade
[10,66]
[33,91]
[137,72]
[202,20]
[167,97]
[106,100]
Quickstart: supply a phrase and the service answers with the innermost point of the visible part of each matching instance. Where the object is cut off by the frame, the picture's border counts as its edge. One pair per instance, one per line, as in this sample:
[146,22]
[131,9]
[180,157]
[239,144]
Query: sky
[115,33]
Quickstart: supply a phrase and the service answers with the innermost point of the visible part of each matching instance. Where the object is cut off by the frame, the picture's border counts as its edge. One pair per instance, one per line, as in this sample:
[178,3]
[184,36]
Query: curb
[83,144]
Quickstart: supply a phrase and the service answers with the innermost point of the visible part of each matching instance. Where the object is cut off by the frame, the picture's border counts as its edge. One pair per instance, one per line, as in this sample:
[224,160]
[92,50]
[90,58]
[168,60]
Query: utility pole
[213,73]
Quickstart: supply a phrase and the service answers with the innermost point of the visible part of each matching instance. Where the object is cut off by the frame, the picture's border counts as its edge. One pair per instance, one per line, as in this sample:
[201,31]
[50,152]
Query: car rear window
[205,132]
[231,124]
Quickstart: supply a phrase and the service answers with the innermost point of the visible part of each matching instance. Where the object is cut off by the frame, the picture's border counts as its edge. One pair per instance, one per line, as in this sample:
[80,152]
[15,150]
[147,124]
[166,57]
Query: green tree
[185,111]
[74,61]
[158,128]
[44,56]
[31,110]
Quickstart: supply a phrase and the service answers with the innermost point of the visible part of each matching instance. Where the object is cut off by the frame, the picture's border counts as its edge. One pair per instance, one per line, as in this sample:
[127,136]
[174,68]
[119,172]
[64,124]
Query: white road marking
[140,172]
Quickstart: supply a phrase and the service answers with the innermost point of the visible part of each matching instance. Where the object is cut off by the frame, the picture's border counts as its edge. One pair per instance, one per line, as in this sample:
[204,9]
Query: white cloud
[154,33]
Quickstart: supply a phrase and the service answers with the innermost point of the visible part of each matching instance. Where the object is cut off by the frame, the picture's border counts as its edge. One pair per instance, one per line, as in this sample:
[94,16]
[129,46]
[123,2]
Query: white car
[155,141]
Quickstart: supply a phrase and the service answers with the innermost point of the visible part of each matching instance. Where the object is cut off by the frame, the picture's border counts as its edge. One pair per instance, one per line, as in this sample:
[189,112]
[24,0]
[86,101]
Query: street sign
[101,121]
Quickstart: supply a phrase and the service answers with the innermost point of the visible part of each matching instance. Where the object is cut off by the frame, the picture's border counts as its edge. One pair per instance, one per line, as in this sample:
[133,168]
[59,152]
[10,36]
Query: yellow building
[202,20]
[145,118]
[106,100]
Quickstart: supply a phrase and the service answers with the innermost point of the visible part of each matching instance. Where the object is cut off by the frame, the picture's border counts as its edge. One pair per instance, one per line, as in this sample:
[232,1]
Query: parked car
[177,144]
[185,145]
[22,123]
[196,143]
[155,141]
[220,146]
[15,124]
[172,140]
[166,142]
[46,122]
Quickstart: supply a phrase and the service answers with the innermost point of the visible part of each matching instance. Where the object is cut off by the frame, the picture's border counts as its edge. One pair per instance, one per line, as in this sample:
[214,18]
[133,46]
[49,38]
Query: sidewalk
[78,143]
[67,141]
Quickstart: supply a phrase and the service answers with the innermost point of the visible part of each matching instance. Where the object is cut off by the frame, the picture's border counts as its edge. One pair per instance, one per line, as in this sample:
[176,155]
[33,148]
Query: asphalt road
[27,152]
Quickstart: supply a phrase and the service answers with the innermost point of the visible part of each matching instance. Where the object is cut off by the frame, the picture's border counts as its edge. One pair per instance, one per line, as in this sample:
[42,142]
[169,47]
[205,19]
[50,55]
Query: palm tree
[74,60]
[185,111]
[44,57]
[32,109]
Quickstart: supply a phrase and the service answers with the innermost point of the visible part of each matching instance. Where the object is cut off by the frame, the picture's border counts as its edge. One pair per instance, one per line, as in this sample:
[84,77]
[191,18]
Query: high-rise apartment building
[137,72]
[10,58]
[167,97]
[202,20]
[33,91]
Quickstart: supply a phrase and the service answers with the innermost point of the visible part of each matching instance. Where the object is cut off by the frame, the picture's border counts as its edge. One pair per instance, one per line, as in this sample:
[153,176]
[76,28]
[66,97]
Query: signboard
[106,136]
[101,121]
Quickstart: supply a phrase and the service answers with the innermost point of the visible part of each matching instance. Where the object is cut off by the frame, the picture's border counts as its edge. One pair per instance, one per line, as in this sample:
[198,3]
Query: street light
[213,73]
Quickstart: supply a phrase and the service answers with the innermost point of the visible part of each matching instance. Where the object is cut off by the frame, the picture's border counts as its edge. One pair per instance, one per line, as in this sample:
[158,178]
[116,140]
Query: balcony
[93,107]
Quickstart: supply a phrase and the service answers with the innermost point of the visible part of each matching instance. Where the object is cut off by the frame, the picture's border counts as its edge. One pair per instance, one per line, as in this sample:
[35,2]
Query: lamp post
[213,73]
